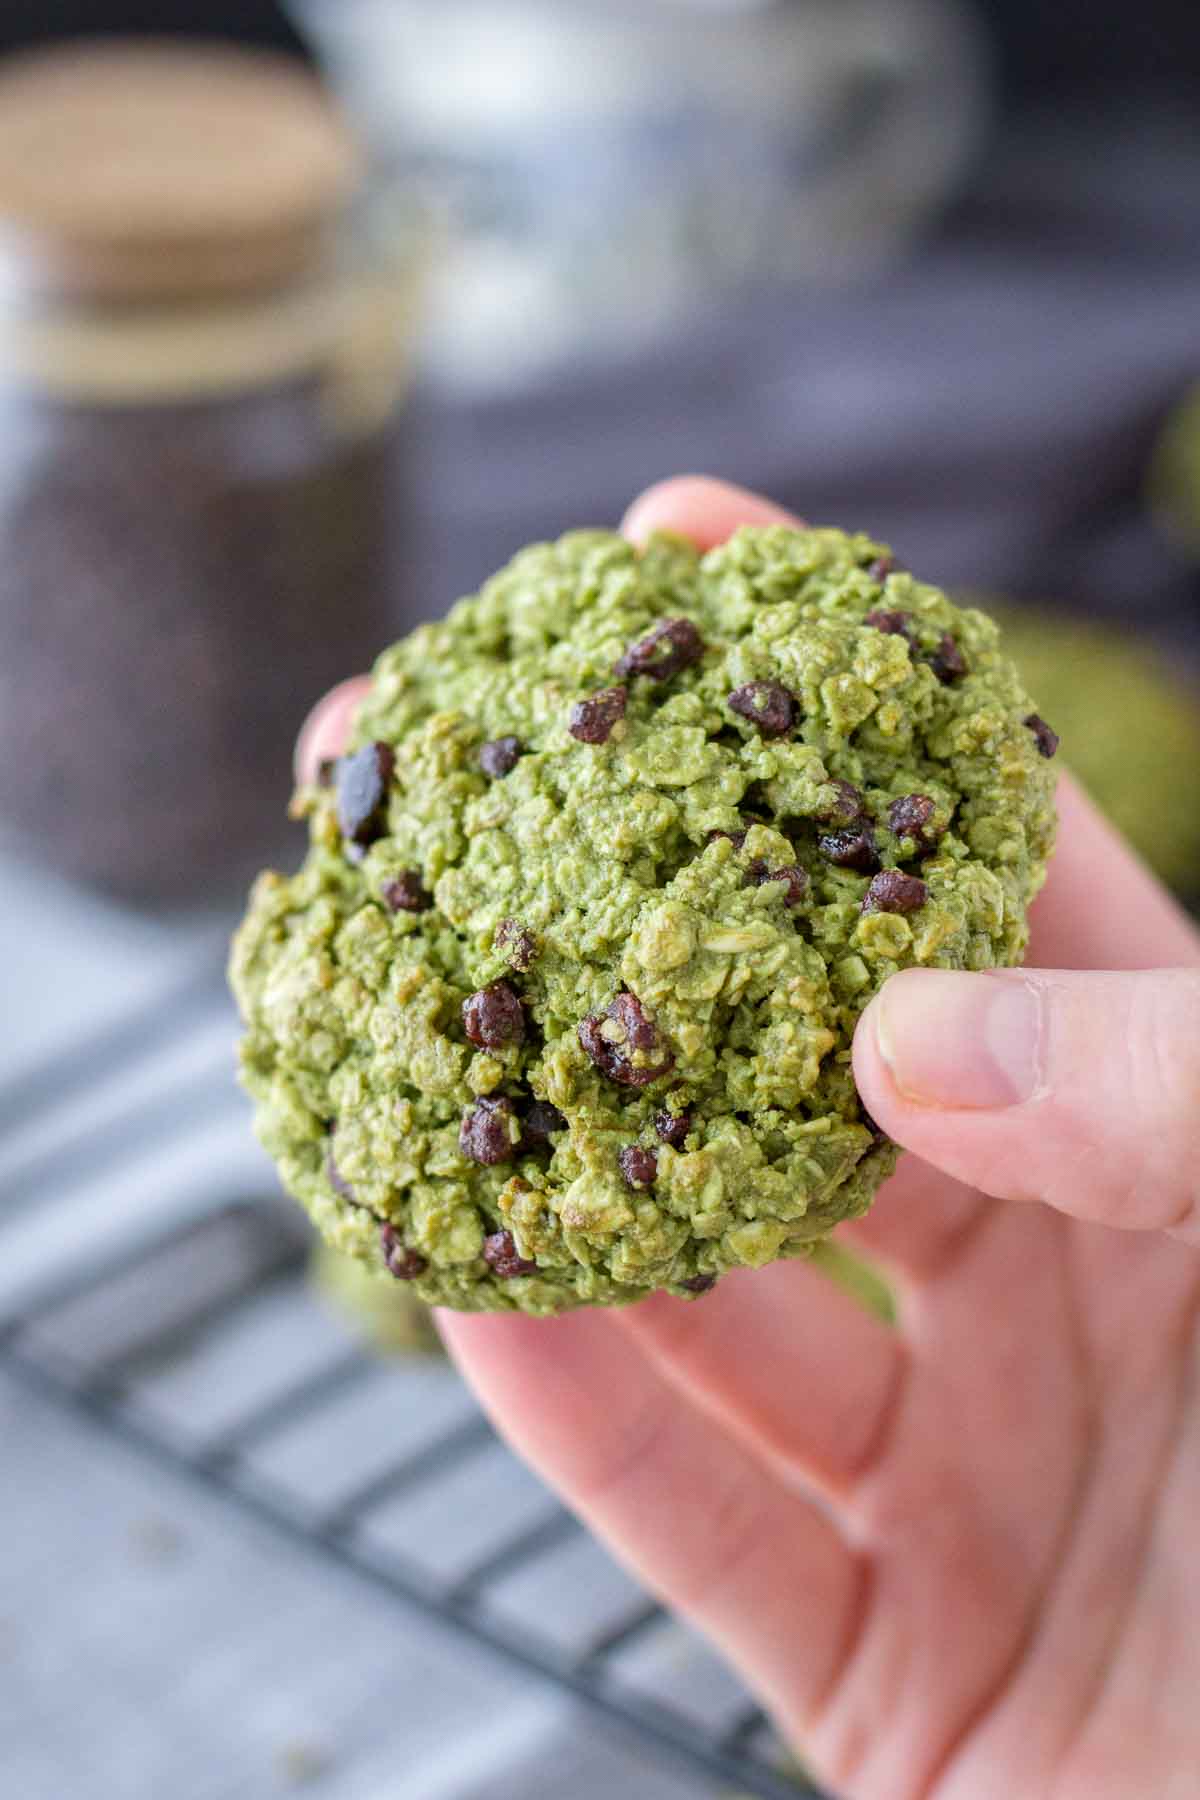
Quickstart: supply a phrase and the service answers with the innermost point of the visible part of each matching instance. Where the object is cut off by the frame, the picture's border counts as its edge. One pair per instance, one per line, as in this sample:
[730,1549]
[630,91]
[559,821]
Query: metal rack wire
[243,1258]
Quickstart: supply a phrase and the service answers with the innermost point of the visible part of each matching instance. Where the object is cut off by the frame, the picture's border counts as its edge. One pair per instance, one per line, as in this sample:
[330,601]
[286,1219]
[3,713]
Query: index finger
[701,508]
[326,730]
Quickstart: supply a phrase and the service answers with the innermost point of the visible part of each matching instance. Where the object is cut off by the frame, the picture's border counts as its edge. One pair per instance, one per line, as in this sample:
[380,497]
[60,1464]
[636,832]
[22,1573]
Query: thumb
[1081,1089]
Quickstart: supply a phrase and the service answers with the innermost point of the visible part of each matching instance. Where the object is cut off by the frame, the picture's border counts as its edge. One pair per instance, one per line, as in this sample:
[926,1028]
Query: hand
[960,1558]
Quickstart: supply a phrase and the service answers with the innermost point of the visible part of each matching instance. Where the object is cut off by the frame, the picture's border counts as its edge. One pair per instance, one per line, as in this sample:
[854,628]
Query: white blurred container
[599,171]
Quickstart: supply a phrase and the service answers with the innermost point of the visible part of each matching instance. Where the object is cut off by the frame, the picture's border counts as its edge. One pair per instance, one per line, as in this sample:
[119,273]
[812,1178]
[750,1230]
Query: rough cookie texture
[696,934]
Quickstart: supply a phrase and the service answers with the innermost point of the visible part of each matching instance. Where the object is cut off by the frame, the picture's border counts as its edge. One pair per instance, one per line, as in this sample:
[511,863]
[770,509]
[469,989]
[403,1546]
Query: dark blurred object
[256,22]
[195,382]
[1070,46]
[1060,48]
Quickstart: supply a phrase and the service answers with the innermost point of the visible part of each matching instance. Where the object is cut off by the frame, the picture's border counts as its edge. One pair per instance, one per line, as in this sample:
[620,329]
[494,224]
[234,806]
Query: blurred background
[309,316]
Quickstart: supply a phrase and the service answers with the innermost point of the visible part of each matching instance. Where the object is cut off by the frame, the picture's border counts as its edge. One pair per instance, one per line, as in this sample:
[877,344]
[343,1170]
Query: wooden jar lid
[164,167]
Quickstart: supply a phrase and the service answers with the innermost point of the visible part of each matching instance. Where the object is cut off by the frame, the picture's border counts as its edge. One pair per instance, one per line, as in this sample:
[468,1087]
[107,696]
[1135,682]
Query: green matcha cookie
[558,1009]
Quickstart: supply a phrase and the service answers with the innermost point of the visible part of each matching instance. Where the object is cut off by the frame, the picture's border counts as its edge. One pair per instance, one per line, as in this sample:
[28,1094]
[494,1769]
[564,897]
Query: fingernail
[961,1040]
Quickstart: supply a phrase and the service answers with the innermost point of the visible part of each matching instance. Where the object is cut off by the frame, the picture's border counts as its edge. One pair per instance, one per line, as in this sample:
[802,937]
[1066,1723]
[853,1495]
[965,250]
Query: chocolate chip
[894,624]
[1047,740]
[500,757]
[699,1284]
[853,848]
[613,1055]
[671,1127]
[797,879]
[883,566]
[592,720]
[493,1016]
[362,785]
[484,1133]
[502,1257]
[538,1122]
[892,891]
[911,816]
[768,705]
[519,946]
[338,1182]
[406,892]
[948,662]
[398,1259]
[639,1029]
[674,644]
[848,807]
[638,1167]
[607,1057]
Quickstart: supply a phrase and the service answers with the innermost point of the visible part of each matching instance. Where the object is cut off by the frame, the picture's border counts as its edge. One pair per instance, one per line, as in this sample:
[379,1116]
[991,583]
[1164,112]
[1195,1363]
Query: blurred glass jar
[603,168]
[202,348]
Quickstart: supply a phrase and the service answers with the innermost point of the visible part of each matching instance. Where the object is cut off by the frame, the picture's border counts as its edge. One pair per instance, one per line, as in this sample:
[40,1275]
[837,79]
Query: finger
[1078,1088]
[701,508]
[786,1361]
[326,730]
[760,1569]
[1101,908]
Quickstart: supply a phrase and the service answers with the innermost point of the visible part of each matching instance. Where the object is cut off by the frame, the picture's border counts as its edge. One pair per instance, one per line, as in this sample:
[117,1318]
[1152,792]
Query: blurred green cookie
[558,1009]
[387,1313]
[1130,728]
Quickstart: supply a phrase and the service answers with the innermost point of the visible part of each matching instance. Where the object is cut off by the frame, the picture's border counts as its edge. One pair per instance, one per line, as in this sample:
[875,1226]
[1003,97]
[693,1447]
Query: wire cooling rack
[196,1340]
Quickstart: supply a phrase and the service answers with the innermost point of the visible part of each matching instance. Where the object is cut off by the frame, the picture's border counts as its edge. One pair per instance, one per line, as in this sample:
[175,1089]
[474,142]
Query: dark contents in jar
[178,584]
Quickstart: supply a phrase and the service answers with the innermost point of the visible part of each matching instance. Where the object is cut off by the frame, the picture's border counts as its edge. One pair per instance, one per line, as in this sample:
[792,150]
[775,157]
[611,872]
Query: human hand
[959,1558]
